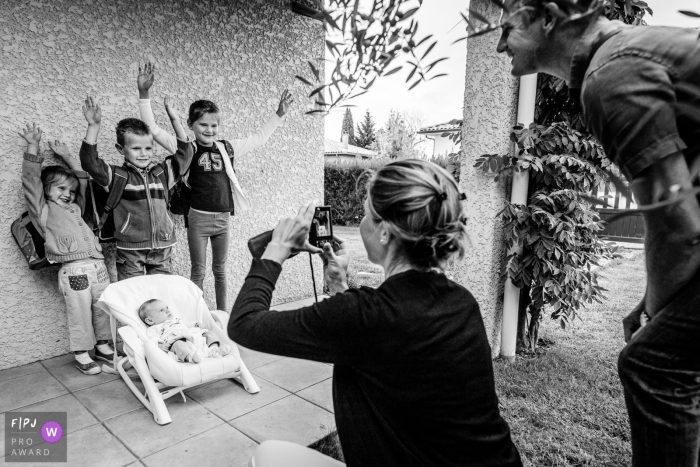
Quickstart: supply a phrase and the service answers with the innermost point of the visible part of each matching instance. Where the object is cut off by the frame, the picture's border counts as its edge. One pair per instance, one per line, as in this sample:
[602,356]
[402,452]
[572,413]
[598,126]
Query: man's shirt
[632,79]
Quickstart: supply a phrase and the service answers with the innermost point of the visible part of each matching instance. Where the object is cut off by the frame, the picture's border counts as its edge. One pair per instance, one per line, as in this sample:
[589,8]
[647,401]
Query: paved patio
[219,425]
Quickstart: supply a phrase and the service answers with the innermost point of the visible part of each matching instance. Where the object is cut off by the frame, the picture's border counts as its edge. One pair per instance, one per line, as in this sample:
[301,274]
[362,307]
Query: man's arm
[630,105]
[89,160]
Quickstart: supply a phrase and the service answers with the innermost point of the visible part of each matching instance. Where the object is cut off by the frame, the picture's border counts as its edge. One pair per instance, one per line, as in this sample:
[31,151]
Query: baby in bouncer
[190,342]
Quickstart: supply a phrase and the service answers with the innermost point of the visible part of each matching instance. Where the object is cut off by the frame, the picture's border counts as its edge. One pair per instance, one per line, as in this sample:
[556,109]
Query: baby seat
[157,370]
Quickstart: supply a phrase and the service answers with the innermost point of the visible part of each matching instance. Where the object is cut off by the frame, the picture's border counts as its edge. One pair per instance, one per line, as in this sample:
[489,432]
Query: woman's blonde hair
[422,206]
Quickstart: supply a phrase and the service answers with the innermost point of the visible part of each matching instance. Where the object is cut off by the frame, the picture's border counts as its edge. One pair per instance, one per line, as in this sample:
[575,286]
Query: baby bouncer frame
[156,369]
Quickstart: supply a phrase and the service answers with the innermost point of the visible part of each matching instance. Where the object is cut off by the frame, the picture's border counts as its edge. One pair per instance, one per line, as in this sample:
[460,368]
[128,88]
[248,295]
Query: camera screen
[321,226]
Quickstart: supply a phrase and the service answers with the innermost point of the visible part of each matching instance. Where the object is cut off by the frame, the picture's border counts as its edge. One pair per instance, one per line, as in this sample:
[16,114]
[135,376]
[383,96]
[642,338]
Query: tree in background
[398,138]
[348,127]
[366,136]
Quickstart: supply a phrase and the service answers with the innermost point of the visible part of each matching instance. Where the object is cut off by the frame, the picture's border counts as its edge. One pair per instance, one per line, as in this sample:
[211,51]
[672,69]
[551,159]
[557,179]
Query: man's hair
[143,309]
[568,7]
[200,108]
[55,174]
[131,125]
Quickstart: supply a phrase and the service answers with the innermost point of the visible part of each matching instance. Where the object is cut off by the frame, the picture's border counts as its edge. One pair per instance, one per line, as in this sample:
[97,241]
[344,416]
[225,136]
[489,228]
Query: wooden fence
[627,229]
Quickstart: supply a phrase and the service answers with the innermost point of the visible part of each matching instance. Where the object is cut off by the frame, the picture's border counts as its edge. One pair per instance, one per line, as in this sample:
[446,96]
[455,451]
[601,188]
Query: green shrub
[342,191]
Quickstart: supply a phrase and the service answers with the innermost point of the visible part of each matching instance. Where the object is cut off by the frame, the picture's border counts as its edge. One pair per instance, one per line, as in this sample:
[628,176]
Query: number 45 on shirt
[211,161]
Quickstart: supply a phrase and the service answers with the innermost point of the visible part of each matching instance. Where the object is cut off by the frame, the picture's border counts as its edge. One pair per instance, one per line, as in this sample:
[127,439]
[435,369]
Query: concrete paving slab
[18,371]
[290,419]
[254,359]
[63,368]
[144,436]
[320,394]
[29,389]
[229,400]
[109,400]
[294,374]
[223,446]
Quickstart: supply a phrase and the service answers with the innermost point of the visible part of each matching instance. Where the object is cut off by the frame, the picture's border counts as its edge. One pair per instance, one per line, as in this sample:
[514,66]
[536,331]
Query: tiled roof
[336,147]
[452,125]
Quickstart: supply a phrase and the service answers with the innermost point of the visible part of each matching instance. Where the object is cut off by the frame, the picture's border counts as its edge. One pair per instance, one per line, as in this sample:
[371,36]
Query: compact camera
[321,232]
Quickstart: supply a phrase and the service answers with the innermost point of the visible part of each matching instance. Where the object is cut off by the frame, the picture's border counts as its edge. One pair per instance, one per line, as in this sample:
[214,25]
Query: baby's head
[154,312]
[203,120]
[135,142]
[60,185]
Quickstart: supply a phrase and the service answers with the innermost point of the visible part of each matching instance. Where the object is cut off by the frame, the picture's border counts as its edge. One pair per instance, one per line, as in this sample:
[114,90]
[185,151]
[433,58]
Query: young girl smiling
[212,190]
[55,201]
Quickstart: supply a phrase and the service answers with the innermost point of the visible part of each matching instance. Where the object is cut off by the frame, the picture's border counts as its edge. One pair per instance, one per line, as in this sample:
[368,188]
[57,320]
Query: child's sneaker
[86,364]
[105,353]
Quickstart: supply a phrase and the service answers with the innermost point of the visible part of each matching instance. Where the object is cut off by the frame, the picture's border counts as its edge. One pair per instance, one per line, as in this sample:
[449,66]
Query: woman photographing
[412,378]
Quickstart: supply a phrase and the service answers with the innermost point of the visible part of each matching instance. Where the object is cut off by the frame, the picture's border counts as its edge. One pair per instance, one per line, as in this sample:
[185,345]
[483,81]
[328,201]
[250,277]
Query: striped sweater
[141,219]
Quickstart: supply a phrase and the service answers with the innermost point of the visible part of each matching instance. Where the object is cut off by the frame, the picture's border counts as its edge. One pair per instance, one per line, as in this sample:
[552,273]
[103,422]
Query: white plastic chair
[156,368]
[274,453]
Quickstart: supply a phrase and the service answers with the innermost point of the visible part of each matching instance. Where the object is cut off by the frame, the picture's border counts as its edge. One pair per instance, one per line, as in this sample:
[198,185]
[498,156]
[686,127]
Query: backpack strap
[119,178]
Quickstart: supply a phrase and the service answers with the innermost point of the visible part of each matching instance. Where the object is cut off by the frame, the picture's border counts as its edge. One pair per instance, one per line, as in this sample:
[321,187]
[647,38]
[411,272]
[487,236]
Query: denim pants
[81,285]
[202,228]
[660,372]
[132,263]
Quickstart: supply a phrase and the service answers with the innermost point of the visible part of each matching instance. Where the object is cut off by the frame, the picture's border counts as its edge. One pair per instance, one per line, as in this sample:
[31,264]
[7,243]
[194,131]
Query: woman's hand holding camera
[291,236]
[335,265]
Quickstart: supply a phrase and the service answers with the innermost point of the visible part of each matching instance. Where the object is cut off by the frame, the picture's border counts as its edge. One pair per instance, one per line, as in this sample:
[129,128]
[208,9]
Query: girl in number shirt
[213,188]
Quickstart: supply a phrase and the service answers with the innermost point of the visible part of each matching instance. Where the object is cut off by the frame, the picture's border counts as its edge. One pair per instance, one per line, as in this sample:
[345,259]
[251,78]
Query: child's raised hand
[92,111]
[146,76]
[60,149]
[171,109]
[32,134]
[285,101]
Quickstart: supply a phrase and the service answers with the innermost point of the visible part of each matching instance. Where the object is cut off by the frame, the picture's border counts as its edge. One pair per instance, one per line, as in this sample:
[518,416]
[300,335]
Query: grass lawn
[566,407]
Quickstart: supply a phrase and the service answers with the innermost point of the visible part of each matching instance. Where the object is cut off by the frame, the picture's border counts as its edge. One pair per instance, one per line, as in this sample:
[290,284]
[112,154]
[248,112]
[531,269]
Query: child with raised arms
[143,228]
[55,201]
[212,190]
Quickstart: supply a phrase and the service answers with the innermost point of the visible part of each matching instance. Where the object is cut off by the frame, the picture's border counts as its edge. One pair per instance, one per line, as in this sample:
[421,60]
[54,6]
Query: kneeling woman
[412,378]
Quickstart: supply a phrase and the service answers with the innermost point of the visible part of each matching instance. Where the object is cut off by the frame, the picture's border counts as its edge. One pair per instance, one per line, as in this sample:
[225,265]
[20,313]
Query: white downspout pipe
[518,195]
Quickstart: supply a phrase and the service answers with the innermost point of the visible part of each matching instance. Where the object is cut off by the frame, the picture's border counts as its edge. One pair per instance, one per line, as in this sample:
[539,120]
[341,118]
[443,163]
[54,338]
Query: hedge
[343,192]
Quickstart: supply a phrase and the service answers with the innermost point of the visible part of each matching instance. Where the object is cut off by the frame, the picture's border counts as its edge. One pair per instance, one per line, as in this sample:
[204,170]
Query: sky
[441,100]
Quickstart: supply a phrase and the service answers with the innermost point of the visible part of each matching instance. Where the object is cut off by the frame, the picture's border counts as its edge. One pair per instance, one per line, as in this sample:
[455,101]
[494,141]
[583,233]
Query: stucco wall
[490,103]
[240,54]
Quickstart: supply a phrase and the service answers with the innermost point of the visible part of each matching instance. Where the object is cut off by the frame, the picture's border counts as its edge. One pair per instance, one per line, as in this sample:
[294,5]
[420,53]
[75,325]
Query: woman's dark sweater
[412,379]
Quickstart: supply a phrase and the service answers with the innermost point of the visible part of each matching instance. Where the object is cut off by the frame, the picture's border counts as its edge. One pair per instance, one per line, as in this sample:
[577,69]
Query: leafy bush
[343,192]
[557,229]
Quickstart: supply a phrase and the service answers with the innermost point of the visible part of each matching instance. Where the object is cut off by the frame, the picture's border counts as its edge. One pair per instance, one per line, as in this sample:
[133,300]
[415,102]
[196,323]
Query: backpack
[30,242]
[180,196]
[103,202]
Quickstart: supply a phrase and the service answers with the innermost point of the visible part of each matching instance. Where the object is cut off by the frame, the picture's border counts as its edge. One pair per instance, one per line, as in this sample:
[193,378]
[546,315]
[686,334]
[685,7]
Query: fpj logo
[36,437]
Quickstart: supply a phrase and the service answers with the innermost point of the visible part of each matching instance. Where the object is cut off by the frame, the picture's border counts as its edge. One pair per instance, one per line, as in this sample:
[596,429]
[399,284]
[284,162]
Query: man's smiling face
[521,39]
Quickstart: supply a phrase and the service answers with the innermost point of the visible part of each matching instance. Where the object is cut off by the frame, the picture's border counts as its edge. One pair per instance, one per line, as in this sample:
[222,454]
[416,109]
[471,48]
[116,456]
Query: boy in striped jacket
[144,230]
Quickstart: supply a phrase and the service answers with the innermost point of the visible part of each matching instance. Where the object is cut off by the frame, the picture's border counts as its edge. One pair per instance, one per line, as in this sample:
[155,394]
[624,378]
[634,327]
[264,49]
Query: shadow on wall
[240,55]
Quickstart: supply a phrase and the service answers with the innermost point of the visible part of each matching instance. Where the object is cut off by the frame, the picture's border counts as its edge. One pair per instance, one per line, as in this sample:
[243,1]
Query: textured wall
[490,104]
[240,54]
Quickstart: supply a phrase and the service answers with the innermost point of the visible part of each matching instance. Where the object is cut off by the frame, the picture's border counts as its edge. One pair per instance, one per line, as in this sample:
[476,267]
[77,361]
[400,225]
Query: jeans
[82,283]
[660,372]
[133,263]
[202,228]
